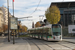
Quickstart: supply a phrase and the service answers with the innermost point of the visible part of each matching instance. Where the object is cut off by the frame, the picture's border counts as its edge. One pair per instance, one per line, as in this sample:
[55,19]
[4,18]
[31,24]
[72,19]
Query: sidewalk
[69,39]
[20,44]
[2,39]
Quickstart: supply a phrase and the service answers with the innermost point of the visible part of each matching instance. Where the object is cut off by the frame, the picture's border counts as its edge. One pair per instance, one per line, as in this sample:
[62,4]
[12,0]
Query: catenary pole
[13,16]
[8,22]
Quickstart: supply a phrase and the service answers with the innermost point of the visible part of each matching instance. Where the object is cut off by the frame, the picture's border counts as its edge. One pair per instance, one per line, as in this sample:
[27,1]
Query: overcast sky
[24,8]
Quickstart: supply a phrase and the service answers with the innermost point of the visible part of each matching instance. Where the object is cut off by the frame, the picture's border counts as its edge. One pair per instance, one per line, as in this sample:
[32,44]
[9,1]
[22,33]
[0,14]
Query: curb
[68,41]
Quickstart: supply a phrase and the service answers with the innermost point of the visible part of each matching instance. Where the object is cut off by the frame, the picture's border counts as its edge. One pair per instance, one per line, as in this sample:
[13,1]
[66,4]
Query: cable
[36,7]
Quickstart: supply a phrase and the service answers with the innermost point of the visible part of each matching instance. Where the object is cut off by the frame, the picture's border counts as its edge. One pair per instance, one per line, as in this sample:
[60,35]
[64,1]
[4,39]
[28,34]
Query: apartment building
[1,18]
[5,14]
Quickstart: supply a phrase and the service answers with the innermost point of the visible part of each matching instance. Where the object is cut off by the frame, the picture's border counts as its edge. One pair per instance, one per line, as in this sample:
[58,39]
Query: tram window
[56,33]
[55,26]
[49,32]
[56,29]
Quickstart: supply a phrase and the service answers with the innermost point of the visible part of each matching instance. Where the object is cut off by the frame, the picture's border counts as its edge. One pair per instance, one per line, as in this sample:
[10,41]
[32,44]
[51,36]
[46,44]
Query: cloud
[24,8]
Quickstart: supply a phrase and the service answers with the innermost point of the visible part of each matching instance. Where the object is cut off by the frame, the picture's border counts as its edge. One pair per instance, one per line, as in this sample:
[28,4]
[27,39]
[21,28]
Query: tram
[49,32]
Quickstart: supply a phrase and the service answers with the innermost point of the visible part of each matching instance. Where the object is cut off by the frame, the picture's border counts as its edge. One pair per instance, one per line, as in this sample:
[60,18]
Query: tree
[37,24]
[1,30]
[5,28]
[24,29]
[53,14]
[19,26]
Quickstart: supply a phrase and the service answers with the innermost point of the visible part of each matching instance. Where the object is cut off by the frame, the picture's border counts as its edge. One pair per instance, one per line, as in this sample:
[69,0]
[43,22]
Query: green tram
[48,32]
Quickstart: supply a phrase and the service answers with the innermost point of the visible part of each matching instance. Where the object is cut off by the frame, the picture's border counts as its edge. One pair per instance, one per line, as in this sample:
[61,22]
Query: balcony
[1,12]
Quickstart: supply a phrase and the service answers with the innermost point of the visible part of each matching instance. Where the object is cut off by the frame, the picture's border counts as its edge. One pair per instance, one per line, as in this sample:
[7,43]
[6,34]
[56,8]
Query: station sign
[13,23]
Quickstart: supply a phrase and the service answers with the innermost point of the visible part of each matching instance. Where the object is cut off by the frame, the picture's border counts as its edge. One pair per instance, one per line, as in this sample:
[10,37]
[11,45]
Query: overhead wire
[33,11]
[36,7]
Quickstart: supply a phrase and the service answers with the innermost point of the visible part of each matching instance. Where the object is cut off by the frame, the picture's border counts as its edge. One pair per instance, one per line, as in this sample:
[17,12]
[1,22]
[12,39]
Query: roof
[64,4]
[47,26]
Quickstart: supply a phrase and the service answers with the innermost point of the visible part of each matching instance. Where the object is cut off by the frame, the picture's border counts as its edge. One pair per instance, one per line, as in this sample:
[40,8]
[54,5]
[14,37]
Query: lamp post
[8,22]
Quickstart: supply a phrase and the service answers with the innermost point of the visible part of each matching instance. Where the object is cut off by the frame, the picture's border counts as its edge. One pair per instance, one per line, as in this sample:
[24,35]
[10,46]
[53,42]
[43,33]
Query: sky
[25,8]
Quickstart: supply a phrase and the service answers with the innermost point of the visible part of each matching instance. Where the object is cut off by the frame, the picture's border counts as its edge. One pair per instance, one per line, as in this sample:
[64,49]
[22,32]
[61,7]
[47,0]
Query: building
[5,14]
[4,18]
[67,12]
[1,18]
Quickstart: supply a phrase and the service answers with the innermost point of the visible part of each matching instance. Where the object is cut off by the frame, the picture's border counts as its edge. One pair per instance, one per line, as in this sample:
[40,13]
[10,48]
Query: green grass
[23,36]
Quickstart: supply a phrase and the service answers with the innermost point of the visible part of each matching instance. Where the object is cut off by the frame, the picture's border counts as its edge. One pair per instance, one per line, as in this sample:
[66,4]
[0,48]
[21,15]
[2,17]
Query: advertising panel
[71,28]
[13,23]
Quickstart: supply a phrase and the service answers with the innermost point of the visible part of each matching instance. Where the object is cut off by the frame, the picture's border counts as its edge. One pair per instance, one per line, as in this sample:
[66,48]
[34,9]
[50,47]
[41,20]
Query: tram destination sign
[71,28]
[13,23]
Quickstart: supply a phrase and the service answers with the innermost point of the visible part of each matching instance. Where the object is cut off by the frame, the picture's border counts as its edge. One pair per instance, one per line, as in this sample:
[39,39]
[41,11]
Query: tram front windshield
[56,29]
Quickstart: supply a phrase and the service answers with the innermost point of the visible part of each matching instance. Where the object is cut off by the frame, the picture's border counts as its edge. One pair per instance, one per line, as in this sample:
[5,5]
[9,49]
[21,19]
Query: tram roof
[47,26]
[31,29]
[64,4]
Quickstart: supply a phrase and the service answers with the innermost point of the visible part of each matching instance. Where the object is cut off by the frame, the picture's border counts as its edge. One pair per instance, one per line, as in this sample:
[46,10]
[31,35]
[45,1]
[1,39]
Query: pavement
[2,39]
[69,39]
[20,44]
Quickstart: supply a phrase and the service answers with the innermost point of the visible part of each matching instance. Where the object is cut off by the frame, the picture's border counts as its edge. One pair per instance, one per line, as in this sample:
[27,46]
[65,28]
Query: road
[45,45]
[28,43]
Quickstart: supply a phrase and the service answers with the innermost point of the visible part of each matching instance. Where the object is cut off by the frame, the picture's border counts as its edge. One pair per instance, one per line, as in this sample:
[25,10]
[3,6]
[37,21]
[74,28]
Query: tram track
[46,45]
[72,43]
[40,42]
[62,44]
[45,42]
[29,40]
[38,46]
[55,43]
[36,42]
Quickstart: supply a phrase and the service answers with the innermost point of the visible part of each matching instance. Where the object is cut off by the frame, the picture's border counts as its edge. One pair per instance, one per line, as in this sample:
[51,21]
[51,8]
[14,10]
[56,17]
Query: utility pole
[13,16]
[8,22]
